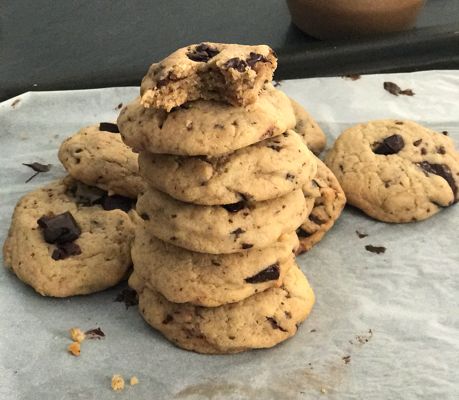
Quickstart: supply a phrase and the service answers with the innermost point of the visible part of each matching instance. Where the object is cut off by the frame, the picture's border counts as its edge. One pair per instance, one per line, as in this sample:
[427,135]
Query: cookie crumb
[117,383]
[77,335]
[133,381]
[74,349]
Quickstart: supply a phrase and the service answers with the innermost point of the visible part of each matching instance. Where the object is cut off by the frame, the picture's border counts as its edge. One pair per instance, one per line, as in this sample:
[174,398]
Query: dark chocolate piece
[236,63]
[65,250]
[109,127]
[417,142]
[275,325]
[255,58]
[270,273]
[390,145]
[38,168]
[302,233]
[128,297]
[443,171]
[96,333]
[87,195]
[361,235]
[375,249]
[117,202]
[352,77]
[60,228]
[246,246]
[202,53]
[234,207]
[290,177]
[394,89]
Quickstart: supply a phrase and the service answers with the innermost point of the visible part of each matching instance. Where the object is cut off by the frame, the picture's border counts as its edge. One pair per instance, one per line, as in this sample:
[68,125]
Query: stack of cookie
[214,257]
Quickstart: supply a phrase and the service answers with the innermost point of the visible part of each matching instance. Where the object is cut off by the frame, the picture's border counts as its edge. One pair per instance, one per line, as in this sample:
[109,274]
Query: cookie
[329,201]
[307,127]
[231,73]
[262,171]
[97,156]
[183,276]
[396,171]
[62,248]
[206,127]
[229,228]
[260,321]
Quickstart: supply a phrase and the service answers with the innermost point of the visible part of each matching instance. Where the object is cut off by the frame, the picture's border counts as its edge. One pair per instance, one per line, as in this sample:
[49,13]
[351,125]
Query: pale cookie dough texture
[231,73]
[100,158]
[308,129]
[223,229]
[105,242]
[329,201]
[206,127]
[265,170]
[396,171]
[260,321]
[207,280]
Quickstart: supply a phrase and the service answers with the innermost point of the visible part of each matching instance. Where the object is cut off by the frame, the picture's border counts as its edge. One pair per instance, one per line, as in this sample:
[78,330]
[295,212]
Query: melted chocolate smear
[302,233]
[109,127]
[60,228]
[234,207]
[117,202]
[255,58]
[275,325]
[236,63]
[443,171]
[65,250]
[394,89]
[270,273]
[202,53]
[128,297]
[361,235]
[375,249]
[38,168]
[390,145]
[96,333]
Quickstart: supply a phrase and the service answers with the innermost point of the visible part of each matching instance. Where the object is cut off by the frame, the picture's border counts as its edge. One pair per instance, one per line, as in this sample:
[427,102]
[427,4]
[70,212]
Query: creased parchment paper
[384,326]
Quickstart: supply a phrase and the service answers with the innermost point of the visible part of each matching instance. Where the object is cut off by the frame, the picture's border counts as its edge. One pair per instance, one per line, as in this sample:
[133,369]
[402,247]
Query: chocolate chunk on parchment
[95,333]
[128,297]
[270,273]
[61,228]
[441,170]
[38,168]
[390,145]
[361,235]
[396,90]
[109,127]
[375,249]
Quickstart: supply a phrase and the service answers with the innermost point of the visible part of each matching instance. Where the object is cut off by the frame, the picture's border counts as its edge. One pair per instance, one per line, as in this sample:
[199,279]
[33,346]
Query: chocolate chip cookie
[260,321]
[224,229]
[97,156]
[307,127]
[329,201]
[231,73]
[265,170]
[396,171]
[65,240]
[206,127]
[183,276]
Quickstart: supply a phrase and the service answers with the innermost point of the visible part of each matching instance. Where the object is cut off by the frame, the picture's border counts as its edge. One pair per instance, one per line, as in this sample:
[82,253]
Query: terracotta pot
[327,19]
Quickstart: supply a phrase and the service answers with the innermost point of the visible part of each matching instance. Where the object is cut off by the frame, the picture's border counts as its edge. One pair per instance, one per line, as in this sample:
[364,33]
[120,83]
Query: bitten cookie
[396,171]
[231,73]
[308,129]
[62,244]
[262,171]
[329,201]
[222,229]
[183,276]
[260,321]
[97,156]
[206,127]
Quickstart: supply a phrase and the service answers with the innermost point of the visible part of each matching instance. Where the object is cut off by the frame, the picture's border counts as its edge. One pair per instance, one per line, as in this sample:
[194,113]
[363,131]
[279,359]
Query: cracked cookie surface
[206,127]
[260,321]
[265,170]
[329,201]
[183,276]
[231,73]
[396,171]
[98,258]
[229,228]
[98,157]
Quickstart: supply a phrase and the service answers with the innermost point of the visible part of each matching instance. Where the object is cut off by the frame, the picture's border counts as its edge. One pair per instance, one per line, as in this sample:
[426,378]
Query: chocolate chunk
[290,177]
[445,133]
[302,233]
[96,333]
[87,195]
[270,273]
[441,150]
[38,168]
[246,246]
[441,170]
[117,202]
[254,58]
[394,89]
[238,232]
[65,250]
[202,53]
[60,228]
[236,63]
[390,145]
[109,127]
[375,249]
[170,77]
[361,235]
[234,207]
[417,142]
[423,151]
[128,297]
[275,325]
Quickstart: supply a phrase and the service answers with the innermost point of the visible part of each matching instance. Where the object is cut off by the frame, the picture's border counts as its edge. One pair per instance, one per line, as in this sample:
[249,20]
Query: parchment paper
[394,314]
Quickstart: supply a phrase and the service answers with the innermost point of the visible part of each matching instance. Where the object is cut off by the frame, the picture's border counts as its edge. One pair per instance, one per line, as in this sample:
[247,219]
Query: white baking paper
[384,326]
